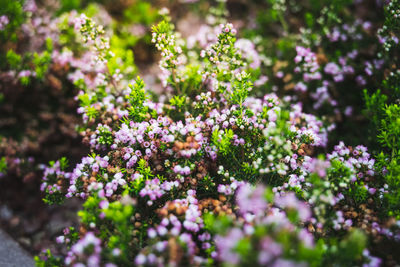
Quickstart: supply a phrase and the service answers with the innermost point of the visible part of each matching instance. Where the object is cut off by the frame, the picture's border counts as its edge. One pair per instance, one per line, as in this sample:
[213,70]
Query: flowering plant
[169,182]
[232,152]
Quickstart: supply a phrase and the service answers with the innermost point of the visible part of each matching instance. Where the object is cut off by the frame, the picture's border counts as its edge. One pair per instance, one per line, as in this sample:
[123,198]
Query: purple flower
[140,259]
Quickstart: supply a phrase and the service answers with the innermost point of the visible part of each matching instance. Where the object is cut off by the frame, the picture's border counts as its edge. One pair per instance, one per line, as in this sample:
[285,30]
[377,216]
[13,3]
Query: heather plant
[231,153]
[12,16]
[382,107]
[269,231]
[318,52]
[39,56]
[26,68]
[168,180]
[45,65]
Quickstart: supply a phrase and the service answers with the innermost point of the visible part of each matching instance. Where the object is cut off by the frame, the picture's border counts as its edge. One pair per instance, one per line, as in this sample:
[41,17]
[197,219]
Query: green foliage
[389,135]
[13,9]
[144,169]
[277,12]
[54,198]
[119,215]
[86,101]
[67,5]
[105,136]
[241,87]
[140,12]
[192,80]
[383,111]
[64,163]
[145,173]
[244,248]
[90,211]
[339,174]
[163,27]
[91,112]
[39,62]
[392,178]
[389,160]
[392,23]
[374,104]
[13,59]
[206,184]
[348,250]
[42,62]
[216,224]
[222,140]
[123,59]
[178,102]
[359,193]
[309,19]
[136,98]
[3,165]
[48,260]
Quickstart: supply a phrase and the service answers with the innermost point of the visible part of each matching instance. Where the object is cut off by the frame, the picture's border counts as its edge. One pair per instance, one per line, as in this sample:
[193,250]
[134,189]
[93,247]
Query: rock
[12,255]
[5,213]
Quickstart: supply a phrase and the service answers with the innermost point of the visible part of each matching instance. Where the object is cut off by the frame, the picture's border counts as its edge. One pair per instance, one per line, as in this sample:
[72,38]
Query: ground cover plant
[226,133]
